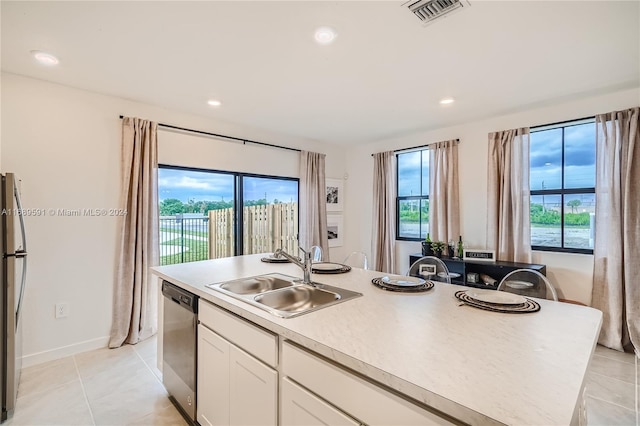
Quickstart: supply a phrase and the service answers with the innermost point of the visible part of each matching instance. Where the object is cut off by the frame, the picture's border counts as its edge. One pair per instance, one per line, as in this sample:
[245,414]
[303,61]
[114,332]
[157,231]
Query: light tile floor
[612,389]
[123,387]
[102,387]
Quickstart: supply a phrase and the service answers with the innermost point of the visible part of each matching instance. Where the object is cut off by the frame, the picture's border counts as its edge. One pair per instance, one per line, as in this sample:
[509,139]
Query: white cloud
[185,182]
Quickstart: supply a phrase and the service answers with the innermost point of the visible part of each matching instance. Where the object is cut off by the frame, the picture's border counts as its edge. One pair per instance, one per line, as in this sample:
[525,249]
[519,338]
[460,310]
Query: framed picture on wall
[335,195]
[334,230]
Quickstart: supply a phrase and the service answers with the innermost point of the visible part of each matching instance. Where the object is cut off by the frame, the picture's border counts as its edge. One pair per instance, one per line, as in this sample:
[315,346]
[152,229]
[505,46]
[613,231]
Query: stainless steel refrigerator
[13,274]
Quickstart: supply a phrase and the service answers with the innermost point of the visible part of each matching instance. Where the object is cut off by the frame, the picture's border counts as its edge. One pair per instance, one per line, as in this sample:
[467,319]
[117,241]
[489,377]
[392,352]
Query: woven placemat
[522,308]
[427,285]
[342,270]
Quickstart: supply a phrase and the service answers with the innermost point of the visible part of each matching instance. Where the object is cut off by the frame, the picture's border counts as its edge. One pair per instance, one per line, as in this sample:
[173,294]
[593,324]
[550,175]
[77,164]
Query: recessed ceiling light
[447,101]
[214,102]
[45,58]
[325,35]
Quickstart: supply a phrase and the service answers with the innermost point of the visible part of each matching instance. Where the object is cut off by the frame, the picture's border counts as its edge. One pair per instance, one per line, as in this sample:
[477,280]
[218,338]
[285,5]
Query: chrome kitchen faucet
[305,264]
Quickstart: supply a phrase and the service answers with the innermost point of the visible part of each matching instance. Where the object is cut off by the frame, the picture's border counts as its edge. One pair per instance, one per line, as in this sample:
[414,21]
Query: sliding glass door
[207,214]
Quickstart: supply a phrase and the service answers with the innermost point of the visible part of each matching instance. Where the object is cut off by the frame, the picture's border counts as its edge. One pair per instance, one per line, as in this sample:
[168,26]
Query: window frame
[238,199]
[400,198]
[561,191]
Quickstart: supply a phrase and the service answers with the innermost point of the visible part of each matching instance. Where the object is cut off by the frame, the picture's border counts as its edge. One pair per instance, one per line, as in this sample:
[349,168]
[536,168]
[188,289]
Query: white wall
[572,273]
[65,145]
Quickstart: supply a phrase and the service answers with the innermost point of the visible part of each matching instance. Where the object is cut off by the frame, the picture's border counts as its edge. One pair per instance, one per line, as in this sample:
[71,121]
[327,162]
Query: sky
[209,186]
[409,176]
[545,160]
[580,157]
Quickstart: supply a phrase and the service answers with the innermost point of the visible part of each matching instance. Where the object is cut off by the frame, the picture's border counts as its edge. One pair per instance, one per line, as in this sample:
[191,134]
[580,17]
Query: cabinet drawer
[256,341]
[302,408]
[360,398]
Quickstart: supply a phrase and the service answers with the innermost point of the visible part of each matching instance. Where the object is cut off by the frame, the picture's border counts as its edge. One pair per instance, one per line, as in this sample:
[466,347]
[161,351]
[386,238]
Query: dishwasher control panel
[178,295]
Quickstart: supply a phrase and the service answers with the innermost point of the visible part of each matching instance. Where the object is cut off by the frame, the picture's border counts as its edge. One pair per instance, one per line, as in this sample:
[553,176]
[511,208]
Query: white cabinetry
[253,392]
[299,407]
[235,386]
[213,378]
[359,398]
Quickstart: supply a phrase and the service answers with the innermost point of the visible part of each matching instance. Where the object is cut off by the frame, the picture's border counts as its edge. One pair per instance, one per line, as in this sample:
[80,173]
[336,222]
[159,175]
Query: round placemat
[427,285]
[522,308]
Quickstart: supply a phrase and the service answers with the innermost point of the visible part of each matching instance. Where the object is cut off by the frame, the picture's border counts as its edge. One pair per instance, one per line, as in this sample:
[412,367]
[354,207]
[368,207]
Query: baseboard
[64,351]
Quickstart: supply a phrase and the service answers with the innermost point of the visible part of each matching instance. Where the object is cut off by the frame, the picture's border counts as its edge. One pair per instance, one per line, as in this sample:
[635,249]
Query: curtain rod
[419,146]
[558,123]
[244,141]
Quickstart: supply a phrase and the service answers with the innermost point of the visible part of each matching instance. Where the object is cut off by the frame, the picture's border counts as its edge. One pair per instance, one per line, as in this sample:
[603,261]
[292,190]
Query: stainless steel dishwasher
[180,320]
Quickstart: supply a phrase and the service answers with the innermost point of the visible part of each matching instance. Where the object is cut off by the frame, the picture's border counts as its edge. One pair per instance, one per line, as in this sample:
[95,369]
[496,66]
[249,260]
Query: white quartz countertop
[478,366]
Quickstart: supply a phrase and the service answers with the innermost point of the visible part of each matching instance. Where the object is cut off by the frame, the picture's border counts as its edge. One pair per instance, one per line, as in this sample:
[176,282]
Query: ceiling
[381,78]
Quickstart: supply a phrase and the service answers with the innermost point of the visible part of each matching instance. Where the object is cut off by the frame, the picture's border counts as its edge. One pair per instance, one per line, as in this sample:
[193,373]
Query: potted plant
[437,247]
[426,246]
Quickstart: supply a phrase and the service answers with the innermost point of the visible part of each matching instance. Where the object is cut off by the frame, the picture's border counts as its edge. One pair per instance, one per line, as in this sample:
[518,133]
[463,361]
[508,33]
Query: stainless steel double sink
[283,295]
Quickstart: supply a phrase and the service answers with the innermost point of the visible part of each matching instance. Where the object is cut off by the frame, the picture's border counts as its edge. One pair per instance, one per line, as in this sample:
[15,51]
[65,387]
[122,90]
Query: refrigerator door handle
[16,194]
[21,252]
[22,286]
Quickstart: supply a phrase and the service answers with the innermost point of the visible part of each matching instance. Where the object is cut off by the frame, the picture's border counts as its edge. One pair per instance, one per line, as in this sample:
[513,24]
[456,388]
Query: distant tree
[260,202]
[171,206]
[573,204]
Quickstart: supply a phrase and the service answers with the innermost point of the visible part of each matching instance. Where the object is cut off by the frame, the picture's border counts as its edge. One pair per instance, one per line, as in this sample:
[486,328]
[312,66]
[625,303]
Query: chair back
[357,259]
[527,282]
[316,253]
[430,268]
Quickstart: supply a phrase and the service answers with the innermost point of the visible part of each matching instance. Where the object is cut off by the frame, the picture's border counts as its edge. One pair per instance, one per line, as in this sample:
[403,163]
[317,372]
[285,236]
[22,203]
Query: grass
[557,226]
[198,250]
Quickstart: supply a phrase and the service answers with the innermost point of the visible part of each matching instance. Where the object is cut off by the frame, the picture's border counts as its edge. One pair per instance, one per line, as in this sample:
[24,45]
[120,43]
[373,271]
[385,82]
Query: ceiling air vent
[429,10]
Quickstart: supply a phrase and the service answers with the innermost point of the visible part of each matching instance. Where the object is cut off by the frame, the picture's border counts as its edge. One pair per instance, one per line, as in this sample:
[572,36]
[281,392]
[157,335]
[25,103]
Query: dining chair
[431,268]
[357,259]
[527,282]
[316,253]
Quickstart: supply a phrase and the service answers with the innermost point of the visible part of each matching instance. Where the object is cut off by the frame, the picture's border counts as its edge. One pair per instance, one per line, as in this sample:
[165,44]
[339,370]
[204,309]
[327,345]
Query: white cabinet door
[253,391]
[213,378]
[302,408]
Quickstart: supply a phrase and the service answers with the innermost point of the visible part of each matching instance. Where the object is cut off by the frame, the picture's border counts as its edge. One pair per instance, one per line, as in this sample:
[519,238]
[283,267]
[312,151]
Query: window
[412,203]
[211,214]
[562,183]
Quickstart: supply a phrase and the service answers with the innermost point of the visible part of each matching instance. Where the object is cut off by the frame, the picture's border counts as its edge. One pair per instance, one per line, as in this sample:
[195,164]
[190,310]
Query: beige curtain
[135,309]
[313,203]
[508,222]
[384,211]
[444,204]
[616,273]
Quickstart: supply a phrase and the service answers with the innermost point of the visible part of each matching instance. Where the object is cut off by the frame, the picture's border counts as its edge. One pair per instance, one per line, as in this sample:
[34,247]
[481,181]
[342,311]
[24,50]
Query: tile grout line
[590,373]
[84,393]
[147,365]
[590,394]
[612,403]
[610,358]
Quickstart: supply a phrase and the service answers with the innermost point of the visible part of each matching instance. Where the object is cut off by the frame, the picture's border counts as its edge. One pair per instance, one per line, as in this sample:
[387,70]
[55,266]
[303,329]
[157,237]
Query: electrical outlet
[62,310]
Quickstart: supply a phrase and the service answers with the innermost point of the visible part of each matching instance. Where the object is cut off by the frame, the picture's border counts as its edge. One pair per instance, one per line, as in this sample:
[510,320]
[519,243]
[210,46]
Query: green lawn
[197,251]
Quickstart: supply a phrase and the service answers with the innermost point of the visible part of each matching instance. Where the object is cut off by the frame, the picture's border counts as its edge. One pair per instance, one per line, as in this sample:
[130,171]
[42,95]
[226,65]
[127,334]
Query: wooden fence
[266,228]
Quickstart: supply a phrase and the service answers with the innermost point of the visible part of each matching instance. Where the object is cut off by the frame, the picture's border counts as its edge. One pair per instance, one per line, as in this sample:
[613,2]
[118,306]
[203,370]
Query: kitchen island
[475,366]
